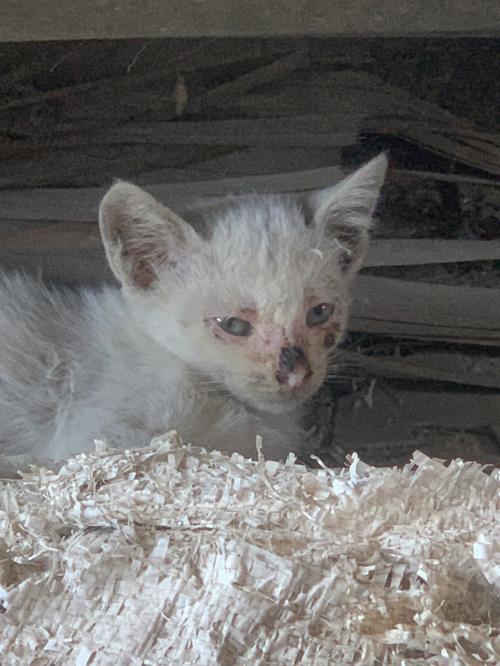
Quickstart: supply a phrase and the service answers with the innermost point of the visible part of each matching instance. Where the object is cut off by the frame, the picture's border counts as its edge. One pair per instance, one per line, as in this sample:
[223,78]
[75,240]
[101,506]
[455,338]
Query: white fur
[125,365]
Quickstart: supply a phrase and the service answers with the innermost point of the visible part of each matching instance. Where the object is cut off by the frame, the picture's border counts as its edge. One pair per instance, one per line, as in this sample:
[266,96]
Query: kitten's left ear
[345,210]
[141,236]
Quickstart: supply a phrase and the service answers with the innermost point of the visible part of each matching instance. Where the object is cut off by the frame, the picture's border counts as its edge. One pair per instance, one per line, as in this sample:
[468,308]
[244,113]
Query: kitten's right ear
[141,236]
[344,211]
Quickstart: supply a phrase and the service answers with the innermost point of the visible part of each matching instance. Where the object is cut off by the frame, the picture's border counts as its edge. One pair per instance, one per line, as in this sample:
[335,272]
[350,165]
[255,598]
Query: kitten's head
[257,301]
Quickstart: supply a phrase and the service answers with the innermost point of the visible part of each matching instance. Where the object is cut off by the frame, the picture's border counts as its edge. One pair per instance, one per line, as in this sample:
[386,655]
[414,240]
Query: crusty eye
[234,326]
[319,314]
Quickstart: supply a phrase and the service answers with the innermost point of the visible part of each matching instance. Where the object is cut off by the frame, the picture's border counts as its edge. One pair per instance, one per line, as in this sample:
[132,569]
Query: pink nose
[293,367]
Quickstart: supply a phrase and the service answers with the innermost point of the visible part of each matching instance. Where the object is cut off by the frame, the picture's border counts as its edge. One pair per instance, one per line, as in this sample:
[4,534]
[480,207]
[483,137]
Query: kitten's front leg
[230,427]
[284,434]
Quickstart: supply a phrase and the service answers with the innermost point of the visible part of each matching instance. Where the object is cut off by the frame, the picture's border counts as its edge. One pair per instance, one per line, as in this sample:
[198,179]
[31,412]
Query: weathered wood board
[444,366]
[113,19]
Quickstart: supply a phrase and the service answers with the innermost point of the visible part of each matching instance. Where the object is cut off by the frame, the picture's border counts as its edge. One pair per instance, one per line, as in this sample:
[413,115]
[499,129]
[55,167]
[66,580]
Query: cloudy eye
[319,314]
[234,326]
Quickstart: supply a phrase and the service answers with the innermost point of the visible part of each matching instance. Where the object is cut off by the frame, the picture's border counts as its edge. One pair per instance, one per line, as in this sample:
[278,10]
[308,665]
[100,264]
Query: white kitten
[221,333]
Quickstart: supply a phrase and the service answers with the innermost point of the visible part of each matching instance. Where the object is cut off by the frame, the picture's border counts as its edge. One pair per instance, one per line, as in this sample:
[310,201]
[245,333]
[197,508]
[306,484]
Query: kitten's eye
[234,326]
[319,314]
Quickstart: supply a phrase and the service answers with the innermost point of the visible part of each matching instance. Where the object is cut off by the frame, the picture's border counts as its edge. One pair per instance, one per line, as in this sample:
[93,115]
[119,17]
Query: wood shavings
[172,555]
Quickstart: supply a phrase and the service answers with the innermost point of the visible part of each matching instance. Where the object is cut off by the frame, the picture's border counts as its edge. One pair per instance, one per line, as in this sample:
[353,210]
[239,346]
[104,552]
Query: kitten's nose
[293,366]
[290,357]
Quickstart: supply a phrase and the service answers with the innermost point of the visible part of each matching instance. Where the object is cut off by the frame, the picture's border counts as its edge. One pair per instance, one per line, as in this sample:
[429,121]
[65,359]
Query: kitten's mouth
[283,395]
[279,402]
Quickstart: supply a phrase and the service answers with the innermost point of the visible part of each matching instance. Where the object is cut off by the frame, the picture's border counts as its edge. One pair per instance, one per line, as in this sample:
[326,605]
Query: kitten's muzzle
[293,367]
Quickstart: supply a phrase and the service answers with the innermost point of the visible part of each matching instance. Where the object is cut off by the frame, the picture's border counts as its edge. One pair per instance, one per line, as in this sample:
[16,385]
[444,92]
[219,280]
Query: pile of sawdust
[171,555]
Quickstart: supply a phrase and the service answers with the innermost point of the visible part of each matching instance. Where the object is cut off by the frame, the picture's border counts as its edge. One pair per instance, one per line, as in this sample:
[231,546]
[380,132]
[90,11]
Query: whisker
[331,378]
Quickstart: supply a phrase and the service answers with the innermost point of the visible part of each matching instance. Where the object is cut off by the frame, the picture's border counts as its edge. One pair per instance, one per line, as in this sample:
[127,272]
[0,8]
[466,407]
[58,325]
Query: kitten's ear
[141,236]
[345,210]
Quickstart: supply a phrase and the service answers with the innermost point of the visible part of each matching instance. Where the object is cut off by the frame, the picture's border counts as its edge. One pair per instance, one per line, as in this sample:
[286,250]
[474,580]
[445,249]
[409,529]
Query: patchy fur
[127,364]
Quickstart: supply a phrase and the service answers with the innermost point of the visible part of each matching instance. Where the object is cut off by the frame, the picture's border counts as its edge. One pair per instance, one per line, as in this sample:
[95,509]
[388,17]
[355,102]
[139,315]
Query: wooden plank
[483,155]
[81,204]
[80,167]
[402,252]
[70,267]
[309,130]
[355,95]
[418,302]
[58,236]
[452,368]
[192,173]
[23,20]
[100,164]
[459,179]
[39,237]
[395,103]
[434,311]
[363,101]
[181,57]
[259,76]
[250,162]
[427,333]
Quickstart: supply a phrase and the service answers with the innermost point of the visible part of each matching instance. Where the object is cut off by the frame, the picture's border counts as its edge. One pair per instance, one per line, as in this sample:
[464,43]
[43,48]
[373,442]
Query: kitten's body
[76,366]
[125,365]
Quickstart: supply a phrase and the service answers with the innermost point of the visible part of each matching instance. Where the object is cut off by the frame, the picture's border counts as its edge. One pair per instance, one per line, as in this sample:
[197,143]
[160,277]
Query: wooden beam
[423,310]
[25,20]
[453,368]
[459,179]
[42,236]
[81,204]
[319,131]
[260,76]
[421,251]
